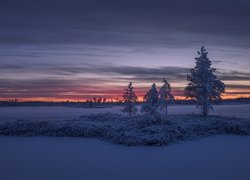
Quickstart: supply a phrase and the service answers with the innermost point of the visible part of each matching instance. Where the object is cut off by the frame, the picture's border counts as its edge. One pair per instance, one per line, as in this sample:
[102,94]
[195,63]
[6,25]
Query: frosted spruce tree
[165,96]
[151,103]
[203,85]
[129,99]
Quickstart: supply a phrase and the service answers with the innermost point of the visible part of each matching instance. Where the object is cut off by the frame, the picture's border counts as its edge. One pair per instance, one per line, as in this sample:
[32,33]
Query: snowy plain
[223,157]
[52,113]
[41,158]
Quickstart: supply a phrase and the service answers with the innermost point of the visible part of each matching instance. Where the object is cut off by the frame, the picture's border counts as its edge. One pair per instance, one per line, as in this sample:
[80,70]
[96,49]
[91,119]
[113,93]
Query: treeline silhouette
[109,103]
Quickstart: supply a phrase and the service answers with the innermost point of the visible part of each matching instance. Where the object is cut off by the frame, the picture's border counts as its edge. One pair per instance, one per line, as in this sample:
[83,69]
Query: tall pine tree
[203,85]
[129,99]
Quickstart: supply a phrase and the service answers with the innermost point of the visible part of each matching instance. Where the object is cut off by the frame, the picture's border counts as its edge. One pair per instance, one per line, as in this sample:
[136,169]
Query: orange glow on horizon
[114,99]
[112,92]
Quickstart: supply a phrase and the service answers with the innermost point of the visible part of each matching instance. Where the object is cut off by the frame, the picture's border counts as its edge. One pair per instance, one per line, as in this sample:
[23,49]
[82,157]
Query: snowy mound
[140,130]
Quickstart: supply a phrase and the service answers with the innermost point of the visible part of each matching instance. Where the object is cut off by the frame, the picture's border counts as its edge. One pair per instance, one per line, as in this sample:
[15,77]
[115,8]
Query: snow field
[42,158]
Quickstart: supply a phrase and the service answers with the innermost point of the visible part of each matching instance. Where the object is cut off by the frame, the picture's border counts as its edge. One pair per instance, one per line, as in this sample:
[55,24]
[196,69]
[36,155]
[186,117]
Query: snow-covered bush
[138,130]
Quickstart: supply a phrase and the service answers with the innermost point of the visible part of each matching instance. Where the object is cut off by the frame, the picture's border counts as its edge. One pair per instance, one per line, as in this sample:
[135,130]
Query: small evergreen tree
[99,101]
[129,99]
[165,96]
[203,85]
[150,106]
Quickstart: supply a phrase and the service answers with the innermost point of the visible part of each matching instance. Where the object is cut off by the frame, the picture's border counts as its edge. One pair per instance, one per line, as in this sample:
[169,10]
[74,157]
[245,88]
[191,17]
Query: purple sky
[79,49]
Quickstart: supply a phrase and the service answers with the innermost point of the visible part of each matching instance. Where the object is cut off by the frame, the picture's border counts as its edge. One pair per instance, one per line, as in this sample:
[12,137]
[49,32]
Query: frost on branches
[129,99]
[136,131]
[150,105]
[165,96]
[203,85]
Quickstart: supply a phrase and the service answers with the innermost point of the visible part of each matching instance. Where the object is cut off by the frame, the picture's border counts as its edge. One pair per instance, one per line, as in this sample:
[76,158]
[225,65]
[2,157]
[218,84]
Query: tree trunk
[205,110]
[166,109]
[130,112]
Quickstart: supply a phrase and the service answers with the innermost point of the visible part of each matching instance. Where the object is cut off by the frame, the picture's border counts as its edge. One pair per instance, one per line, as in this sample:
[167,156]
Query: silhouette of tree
[150,106]
[203,85]
[129,99]
[165,96]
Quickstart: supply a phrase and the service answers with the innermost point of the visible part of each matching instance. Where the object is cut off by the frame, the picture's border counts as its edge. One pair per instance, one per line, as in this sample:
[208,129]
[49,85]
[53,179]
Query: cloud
[111,70]
[95,68]
[68,81]
[61,47]
[125,23]
[239,86]
[234,76]
[56,88]
[239,93]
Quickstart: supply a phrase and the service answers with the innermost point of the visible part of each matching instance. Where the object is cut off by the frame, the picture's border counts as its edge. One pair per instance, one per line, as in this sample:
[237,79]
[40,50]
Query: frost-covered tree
[203,85]
[129,99]
[165,95]
[151,101]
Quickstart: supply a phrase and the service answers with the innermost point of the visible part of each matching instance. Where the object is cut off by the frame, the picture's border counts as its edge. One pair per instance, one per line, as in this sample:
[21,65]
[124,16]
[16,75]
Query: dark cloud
[169,22]
[86,86]
[217,62]
[115,72]
[56,88]
[238,86]
[234,76]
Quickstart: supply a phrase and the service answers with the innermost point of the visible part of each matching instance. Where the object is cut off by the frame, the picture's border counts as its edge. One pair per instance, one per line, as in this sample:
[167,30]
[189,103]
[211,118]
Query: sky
[80,49]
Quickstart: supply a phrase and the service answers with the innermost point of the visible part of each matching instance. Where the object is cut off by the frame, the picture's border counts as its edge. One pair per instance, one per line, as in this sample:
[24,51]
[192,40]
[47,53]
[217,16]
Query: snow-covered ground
[223,157]
[41,158]
[49,113]
[52,113]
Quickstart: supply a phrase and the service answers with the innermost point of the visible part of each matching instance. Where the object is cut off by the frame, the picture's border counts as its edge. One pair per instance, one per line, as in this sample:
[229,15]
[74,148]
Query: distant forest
[101,103]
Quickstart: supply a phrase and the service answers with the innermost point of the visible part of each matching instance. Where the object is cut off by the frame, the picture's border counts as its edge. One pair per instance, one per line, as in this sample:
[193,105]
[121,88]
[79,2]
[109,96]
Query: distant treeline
[102,104]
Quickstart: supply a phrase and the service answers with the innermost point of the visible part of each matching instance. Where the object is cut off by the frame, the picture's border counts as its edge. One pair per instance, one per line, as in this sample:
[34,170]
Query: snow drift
[139,130]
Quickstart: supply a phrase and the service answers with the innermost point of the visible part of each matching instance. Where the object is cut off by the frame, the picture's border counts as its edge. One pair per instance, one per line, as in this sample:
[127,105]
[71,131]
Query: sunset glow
[91,49]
